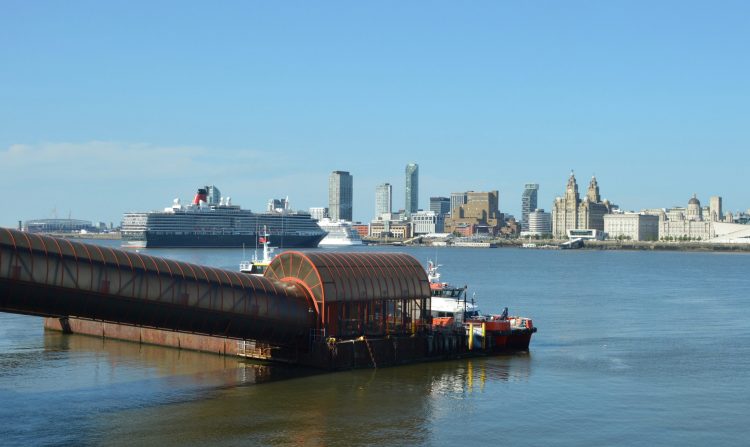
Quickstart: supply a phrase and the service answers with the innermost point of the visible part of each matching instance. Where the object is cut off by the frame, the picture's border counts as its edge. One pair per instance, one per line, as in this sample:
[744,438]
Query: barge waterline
[330,354]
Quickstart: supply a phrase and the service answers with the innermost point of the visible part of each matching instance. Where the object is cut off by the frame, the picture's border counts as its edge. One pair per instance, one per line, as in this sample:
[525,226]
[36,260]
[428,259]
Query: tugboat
[258,266]
[451,310]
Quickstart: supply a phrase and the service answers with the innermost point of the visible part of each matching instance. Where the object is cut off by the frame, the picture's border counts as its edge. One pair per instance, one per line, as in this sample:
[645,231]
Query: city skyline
[264,102]
[352,191]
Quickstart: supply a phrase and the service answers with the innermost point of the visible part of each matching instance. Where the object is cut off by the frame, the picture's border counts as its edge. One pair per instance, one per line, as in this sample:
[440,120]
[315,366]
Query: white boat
[259,266]
[340,233]
[447,300]
[450,310]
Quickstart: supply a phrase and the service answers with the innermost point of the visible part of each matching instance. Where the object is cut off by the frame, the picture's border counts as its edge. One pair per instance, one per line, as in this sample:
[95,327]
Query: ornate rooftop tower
[593,192]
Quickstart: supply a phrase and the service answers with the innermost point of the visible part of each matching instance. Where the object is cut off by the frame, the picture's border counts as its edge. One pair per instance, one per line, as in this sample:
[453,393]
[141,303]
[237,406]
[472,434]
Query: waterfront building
[480,213]
[569,212]
[528,203]
[425,222]
[362,229]
[412,188]
[391,228]
[457,199]
[383,199]
[686,230]
[694,211]
[440,205]
[58,226]
[540,223]
[589,234]
[632,226]
[715,210]
[731,233]
[675,213]
[340,195]
[319,213]
[686,224]
[511,228]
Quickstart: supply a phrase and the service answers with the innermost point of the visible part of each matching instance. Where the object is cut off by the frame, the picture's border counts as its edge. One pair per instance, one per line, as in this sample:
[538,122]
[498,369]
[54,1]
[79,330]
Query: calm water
[633,348]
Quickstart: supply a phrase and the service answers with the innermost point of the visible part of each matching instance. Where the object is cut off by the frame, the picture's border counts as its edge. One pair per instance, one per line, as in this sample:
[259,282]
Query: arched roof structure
[346,277]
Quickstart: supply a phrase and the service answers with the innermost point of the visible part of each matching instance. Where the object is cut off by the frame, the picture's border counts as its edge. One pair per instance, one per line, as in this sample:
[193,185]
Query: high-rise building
[213,195]
[717,214]
[340,194]
[319,212]
[440,205]
[383,200]
[457,199]
[528,203]
[412,189]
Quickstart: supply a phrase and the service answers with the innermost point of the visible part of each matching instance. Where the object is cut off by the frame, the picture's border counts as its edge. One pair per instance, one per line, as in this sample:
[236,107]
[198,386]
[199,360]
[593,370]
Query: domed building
[694,211]
[687,226]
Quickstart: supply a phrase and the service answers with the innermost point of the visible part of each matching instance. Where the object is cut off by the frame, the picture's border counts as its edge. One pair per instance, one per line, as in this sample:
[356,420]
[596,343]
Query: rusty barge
[331,311]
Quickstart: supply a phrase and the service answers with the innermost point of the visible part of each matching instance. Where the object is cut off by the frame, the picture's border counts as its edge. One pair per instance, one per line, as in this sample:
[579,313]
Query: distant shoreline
[517,243]
[607,245]
[103,236]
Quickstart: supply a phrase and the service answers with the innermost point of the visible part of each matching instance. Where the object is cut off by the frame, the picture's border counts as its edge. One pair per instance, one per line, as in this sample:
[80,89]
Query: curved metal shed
[348,277]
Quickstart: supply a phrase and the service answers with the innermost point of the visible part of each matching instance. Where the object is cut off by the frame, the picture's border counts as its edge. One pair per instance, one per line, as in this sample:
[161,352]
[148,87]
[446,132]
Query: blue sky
[107,107]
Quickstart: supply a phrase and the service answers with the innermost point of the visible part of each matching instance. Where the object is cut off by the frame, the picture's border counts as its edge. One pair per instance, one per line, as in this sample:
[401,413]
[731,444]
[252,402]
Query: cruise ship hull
[212,222]
[219,241]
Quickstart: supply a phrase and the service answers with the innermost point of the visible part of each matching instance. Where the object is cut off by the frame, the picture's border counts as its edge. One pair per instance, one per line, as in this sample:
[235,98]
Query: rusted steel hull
[159,337]
[326,355]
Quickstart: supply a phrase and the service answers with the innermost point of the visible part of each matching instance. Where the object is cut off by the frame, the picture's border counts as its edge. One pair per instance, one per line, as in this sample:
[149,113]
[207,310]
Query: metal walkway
[51,277]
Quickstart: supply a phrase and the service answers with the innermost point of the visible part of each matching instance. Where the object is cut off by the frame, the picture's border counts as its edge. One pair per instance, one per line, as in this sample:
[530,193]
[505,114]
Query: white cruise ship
[340,232]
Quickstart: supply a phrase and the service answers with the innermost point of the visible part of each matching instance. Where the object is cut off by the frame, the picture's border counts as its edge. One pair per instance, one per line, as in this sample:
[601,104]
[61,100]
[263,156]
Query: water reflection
[392,406]
[150,361]
[75,389]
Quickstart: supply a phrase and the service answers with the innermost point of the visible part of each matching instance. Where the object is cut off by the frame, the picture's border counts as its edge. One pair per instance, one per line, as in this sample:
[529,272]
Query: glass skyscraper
[340,193]
[528,203]
[412,189]
[383,199]
[440,205]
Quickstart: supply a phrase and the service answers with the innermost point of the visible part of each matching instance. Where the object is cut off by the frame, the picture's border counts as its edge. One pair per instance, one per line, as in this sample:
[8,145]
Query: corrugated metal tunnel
[45,276]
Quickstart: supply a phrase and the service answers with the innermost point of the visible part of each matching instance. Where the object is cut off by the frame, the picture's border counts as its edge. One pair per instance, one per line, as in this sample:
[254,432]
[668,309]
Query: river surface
[633,348]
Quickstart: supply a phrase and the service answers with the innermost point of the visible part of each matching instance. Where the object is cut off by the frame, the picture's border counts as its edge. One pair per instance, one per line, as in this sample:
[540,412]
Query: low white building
[425,222]
[692,230]
[540,223]
[731,233]
[632,226]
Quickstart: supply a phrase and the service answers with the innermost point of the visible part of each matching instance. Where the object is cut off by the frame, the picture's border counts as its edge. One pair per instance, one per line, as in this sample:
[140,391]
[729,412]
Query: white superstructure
[340,232]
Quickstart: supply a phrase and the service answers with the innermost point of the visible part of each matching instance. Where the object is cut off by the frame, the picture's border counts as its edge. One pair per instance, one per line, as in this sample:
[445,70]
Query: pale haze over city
[113,107]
